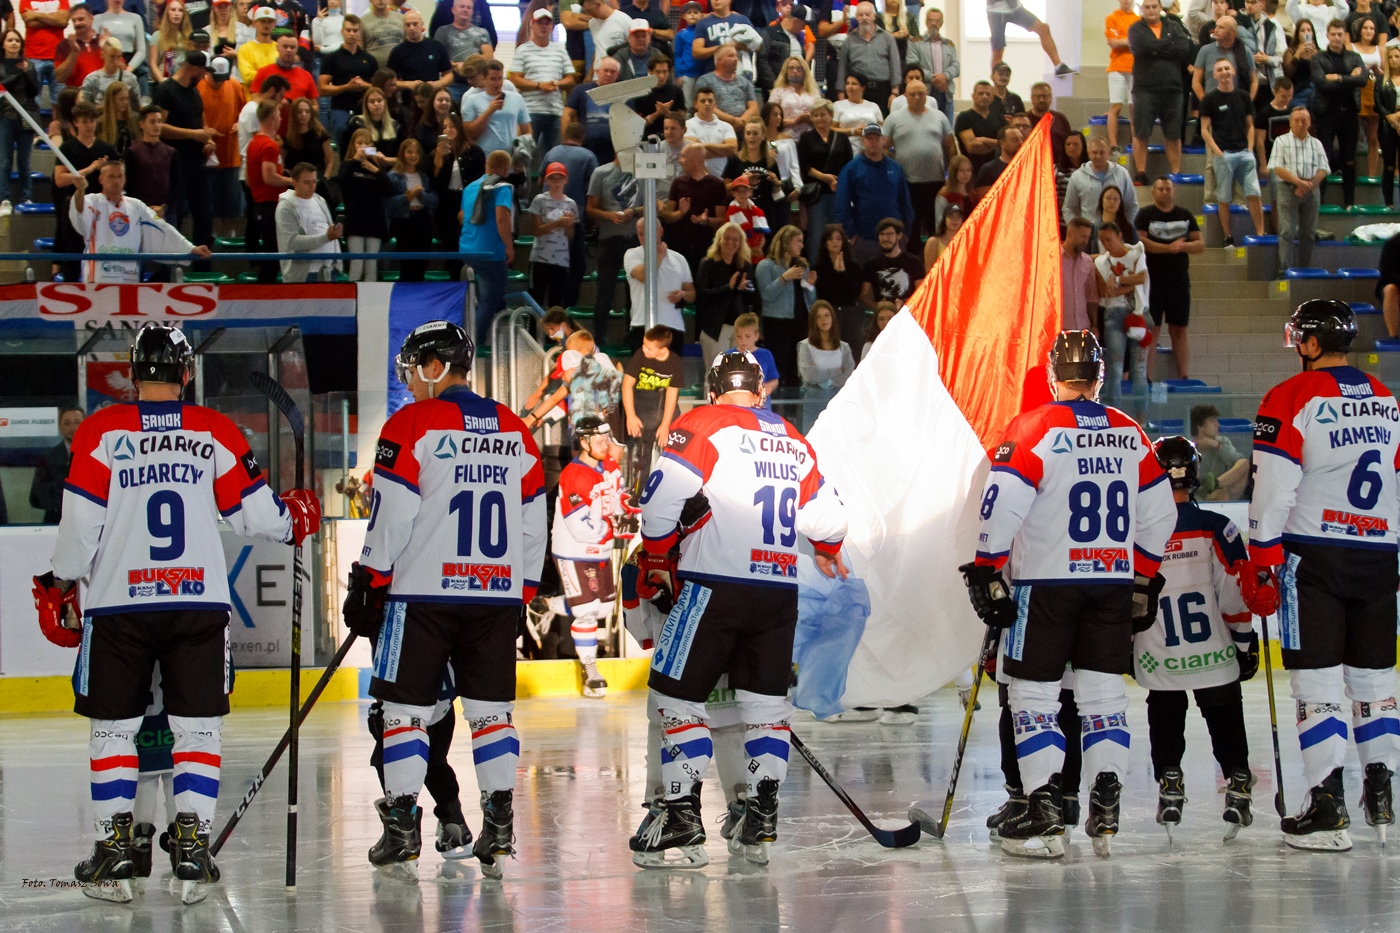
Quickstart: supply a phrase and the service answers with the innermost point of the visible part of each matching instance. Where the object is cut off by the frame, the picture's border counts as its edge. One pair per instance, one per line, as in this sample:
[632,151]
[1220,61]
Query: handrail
[245,257]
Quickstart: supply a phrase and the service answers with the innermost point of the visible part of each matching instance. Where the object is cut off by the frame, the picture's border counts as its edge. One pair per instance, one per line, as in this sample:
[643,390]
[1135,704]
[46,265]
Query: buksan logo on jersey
[772,563]
[1340,522]
[476,578]
[165,581]
[1098,560]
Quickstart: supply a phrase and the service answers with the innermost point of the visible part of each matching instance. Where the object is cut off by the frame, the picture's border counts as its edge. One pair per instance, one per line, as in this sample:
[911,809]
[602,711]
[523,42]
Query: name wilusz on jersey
[165,581]
[479,578]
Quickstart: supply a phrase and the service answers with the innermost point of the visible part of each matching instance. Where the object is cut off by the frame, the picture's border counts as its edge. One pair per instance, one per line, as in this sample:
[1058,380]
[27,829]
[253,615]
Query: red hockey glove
[60,618]
[306,513]
[1258,586]
[656,573]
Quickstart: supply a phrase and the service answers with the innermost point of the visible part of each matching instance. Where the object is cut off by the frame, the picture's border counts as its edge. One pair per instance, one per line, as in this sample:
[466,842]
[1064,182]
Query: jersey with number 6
[142,503]
[761,479]
[458,509]
[1326,450]
[1075,496]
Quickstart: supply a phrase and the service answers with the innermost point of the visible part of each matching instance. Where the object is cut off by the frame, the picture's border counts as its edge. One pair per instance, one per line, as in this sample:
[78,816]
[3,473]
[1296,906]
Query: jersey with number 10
[1075,496]
[1326,450]
[458,509]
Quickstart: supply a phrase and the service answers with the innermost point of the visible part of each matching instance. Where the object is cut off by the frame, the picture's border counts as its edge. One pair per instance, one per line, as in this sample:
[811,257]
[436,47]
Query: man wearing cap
[660,23]
[556,217]
[736,101]
[634,58]
[870,188]
[80,54]
[939,60]
[224,100]
[193,142]
[345,75]
[784,38]
[382,27]
[462,38]
[260,50]
[542,71]
[113,71]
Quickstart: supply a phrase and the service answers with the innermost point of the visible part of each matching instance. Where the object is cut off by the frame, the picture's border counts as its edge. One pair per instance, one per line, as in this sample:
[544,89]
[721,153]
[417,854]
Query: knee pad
[1368,685]
[589,614]
[119,730]
[1317,685]
[201,729]
[476,710]
[762,708]
[1033,694]
[669,708]
[1100,694]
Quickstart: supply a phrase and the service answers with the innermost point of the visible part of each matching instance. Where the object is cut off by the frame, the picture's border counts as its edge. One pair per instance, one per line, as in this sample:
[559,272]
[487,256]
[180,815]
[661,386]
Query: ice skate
[142,842]
[1102,824]
[395,855]
[1034,827]
[858,714]
[1238,798]
[594,686]
[966,694]
[1069,809]
[672,835]
[759,829]
[190,859]
[1014,808]
[733,816]
[497,837]
[899,715]
[1376,803]
[107,873]
[1171,800]
[1322,823]
[454,839]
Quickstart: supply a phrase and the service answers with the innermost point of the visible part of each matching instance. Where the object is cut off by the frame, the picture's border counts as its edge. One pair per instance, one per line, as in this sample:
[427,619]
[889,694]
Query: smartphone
[370,150]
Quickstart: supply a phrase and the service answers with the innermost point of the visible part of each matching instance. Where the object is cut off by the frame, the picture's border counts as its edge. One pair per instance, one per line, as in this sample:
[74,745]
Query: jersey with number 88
[1325,458]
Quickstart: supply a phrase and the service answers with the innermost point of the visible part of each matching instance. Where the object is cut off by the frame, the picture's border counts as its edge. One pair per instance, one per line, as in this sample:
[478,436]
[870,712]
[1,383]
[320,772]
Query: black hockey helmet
[1179,458]
[435,340]
[161,353]
[1327,319]
[734,371]
[590,426]
[1076,357]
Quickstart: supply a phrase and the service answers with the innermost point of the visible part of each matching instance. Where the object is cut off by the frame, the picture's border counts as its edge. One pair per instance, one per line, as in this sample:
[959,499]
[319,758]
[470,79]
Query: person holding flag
[111,222]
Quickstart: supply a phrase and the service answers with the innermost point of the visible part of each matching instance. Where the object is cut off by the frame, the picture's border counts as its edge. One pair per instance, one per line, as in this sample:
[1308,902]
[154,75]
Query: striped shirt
[1303,157]
[542,63]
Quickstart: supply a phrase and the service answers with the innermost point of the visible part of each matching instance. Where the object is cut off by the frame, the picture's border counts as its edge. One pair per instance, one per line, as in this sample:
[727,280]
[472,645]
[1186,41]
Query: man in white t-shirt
[1123,294]
[673,285]
[609,27]
[540,71]
[714,134]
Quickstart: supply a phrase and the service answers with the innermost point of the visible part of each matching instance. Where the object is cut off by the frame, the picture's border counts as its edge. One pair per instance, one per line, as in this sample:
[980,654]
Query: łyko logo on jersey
[165,581]
[772,563]
[1341,522]
[1098,560]
[478,578]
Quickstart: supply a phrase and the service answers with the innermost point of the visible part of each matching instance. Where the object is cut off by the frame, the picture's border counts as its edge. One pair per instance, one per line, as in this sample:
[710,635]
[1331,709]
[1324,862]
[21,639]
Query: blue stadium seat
[1191,387]
[1236,426]
[43,244]
[1267,239]
[1307,272]
[33,208]
[1184,178]
[1388,344]
[1359,273]
[1167,426]
[33,176]
[1193,150]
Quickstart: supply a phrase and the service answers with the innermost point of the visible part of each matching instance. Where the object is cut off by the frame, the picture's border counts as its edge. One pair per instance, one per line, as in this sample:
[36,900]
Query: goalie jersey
[1075,496]
[589,497]
[1325,458]
[142,503]
[458,510]
[128,226]
[761,480]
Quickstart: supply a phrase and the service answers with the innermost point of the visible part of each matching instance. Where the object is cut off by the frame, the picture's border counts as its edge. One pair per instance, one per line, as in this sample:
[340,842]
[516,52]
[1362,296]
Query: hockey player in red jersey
[1323,521]
[1077,510]
[1202,641]
[454,549]
[586,519]
[736,611]
[148,484]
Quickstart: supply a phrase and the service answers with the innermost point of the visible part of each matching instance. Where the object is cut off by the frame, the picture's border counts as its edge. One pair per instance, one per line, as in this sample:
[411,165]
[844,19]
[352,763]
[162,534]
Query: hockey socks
[112,765]
[197,757]
[584,630]
[405,749]
[1374,718]
[495,743]
[1103,707]
[686,747]
[767,736]
[1040,745]
[1322,732]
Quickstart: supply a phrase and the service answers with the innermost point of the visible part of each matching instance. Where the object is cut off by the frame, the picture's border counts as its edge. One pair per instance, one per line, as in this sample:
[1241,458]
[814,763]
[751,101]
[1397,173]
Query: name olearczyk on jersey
[155,473]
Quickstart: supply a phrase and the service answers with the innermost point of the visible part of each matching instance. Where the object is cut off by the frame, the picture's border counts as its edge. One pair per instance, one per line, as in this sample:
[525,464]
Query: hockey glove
[1258,587]
[625,527]
[694,513]
[1145,592]
[656,573]
[1248,656]
[364,601]
[60,618]
[990,596]
[306,513]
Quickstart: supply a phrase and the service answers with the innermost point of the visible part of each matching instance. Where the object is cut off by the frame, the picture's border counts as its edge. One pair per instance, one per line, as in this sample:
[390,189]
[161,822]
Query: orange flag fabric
[991,305]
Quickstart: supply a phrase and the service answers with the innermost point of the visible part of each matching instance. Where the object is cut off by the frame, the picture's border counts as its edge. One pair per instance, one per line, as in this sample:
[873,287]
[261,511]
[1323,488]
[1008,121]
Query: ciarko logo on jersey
[125,450]
[446,449]
[1326,414]
[1062,444]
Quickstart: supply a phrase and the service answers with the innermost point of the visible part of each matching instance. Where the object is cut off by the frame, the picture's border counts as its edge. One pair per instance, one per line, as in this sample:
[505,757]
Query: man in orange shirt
[223,102]
[1120,67]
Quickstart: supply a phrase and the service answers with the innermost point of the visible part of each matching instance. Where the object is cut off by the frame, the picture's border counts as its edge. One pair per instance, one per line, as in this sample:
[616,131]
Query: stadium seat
[1191,387]
[1184,178]
[1388,345]
[1307,272]
[34,208]
[1267,239]
[43,244]
[1359,273]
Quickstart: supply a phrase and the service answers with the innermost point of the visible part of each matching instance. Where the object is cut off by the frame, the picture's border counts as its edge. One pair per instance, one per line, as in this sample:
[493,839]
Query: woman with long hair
[307,141]
[944,230]
[722,289]
[117,127]
[1110,210]
[756,160]
[170,42]
[16,138]
[796,91]
[883,312]
[384,130]
[893,18]
[1297,62]
[838,276]
[1076,153]
[365,186]
[824,360]
[430,125]
[457,162]
[821,154]
[1387,102]
[1367,44]
[957,189]
[222,29]
[411,209]
[785,289]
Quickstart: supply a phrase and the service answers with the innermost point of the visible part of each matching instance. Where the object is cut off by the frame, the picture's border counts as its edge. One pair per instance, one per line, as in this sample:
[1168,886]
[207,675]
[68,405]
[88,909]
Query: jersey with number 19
[1075,496]
[458,510]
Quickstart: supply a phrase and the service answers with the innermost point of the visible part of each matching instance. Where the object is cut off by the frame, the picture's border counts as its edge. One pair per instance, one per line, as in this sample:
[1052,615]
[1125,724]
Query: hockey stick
[890,839]
[919,816]
[1273,721]
[279,397]
[286,740]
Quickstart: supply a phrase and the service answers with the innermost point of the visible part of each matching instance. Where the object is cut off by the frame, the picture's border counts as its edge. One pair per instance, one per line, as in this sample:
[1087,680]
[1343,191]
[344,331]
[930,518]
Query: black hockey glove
[693,512]
[364,602]
[1248,656]
[990,596]
[1145,593]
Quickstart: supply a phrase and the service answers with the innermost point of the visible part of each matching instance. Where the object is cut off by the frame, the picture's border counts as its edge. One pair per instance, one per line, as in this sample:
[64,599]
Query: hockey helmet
[1179,458]
[590,426]
[161,353]
[1327,319]
[436,340]
[734,371]
[1076,357]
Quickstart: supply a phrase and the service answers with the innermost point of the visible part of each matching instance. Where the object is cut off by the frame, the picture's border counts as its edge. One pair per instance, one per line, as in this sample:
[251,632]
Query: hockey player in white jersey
[148,484]
[1202,641]
[1323,520]
[111,222]
[736,611]
[1077,510]
[453,551]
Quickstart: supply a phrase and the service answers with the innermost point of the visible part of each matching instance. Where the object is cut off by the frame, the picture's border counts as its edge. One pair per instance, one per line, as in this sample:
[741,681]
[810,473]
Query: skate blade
[138,884]
[406,872]
[1232,830]
[456,853]
[1380,834]
[1041,847]
[192,892]
[1103,845]
[1336,840]
[492,869]
[757,854]
[679,857]
[1170,828]
[116,892]
[595,693]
